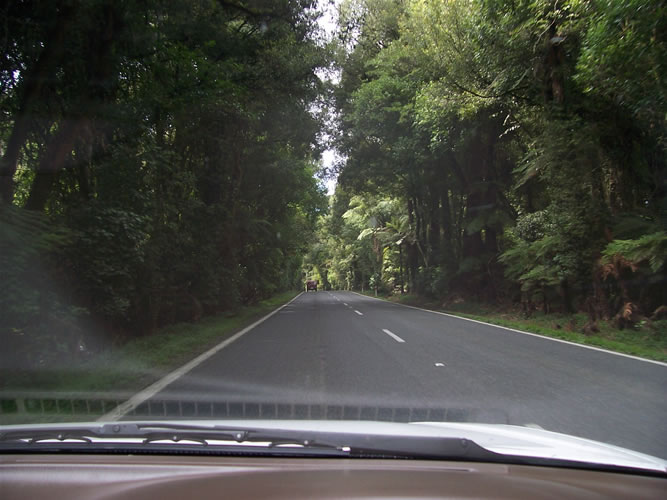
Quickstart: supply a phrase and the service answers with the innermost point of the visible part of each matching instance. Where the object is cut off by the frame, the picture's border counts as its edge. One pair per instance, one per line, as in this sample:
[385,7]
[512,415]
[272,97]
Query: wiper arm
[355,444]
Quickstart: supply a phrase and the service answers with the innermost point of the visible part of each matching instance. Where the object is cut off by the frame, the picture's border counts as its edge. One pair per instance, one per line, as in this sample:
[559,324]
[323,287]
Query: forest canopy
[161,160]
[502,151]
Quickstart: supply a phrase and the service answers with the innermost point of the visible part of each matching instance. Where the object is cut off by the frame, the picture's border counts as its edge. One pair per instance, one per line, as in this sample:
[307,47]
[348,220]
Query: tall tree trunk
[434,249]
[400,268]
[447,250]
[473,245]
[61,146]
[554,85]
[33,84]
[53,161]
[412,257]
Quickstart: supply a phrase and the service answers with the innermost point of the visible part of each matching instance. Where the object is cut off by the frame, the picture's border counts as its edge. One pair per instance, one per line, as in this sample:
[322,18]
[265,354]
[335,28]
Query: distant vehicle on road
[312,285]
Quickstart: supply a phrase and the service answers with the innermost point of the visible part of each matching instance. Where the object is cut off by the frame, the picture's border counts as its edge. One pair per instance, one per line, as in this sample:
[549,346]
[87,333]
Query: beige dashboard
[196,477]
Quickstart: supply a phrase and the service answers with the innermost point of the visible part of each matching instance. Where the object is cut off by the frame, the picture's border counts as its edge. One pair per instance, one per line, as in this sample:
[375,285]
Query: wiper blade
[223,437]
[151,432]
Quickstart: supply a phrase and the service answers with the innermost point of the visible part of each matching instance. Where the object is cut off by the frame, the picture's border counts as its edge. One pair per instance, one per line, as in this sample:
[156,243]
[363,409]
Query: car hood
[499,438]
[510,440]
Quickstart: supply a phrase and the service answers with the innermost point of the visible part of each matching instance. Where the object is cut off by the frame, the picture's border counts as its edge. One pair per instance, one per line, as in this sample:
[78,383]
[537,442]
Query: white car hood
[498,438]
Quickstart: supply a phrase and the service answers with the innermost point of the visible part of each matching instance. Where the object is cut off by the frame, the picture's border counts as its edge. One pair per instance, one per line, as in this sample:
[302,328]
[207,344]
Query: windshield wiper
[172,437]
[231,439]
[148,433]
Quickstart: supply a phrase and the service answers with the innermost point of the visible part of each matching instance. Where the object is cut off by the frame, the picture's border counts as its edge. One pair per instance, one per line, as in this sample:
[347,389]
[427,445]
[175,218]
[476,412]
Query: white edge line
[150,391]
[393,336]
[359,312]
[600,349]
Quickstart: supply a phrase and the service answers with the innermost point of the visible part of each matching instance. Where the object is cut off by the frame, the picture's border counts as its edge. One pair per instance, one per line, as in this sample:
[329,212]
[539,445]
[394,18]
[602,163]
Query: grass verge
[66,392]
[647,341]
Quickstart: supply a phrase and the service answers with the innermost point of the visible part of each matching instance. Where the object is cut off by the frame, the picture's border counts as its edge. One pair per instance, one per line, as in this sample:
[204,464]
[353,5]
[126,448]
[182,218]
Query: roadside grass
[648,340]
[64,392]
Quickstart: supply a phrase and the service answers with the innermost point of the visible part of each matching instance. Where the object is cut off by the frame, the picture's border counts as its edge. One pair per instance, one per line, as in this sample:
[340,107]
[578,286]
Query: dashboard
[109,477]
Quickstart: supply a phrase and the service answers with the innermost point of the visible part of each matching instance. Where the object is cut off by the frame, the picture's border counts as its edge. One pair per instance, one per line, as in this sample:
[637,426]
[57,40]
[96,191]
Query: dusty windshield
[383,210]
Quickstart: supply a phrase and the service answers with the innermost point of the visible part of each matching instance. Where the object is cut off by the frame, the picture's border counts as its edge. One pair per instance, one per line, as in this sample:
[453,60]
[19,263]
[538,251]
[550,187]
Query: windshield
[392,211]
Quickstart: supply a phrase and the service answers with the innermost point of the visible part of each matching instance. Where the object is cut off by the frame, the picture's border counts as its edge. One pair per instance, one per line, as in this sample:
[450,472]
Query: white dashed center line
[393,335]
[344,303]
[359,313]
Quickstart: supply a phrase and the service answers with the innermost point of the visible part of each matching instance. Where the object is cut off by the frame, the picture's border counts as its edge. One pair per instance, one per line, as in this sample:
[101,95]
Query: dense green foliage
[159,162]
[159,159]
[503,151]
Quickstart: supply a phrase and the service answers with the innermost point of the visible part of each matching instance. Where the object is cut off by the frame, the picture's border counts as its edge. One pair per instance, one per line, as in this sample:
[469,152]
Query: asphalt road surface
[343,355]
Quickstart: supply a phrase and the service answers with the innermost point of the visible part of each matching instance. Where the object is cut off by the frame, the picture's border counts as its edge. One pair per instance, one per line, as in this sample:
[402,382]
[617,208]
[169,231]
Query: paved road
[342,355]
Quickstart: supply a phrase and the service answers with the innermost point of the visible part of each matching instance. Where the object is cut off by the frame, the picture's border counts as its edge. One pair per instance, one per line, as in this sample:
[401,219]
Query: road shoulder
[586,342]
